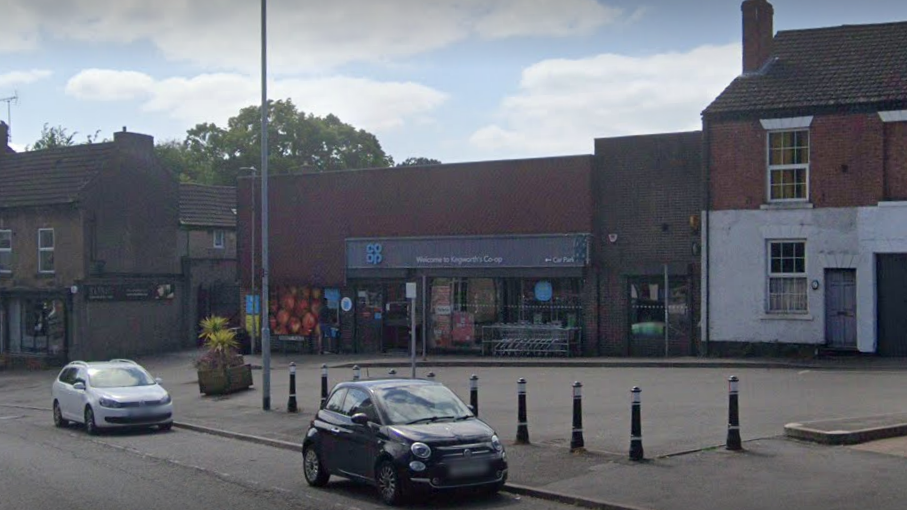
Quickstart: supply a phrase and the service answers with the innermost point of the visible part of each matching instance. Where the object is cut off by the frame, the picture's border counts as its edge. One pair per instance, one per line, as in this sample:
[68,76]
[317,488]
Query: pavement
[782,463]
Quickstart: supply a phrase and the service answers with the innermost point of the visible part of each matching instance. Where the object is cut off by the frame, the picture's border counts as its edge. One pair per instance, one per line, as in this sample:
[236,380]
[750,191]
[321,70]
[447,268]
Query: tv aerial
[9,101]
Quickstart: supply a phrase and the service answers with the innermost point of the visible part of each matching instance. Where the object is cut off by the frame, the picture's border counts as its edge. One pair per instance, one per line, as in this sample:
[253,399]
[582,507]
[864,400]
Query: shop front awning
[507,255]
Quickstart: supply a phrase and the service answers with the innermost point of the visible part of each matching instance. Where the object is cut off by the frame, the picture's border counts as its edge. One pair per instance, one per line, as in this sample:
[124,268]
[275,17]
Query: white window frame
[781,168]
[800,277]
[220,235]
[7,251]
[45,249]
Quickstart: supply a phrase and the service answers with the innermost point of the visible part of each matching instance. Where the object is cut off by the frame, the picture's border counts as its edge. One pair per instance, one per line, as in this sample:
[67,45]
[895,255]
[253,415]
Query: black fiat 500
[405,436]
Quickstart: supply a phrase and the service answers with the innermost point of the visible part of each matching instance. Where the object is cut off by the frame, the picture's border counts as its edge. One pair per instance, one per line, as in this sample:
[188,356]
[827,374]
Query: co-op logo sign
[373,254]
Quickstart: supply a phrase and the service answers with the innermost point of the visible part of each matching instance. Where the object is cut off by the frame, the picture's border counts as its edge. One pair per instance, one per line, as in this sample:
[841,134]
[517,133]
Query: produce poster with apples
[294,310]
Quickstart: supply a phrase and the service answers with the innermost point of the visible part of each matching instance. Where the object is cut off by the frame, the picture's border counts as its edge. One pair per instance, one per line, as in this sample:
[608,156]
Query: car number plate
[467,469]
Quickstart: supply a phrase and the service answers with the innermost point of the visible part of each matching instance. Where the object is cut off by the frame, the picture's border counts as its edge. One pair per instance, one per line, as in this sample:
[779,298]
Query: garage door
[891,285]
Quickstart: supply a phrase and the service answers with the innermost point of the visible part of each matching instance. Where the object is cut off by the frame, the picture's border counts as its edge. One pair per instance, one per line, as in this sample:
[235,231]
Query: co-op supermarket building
[550,256]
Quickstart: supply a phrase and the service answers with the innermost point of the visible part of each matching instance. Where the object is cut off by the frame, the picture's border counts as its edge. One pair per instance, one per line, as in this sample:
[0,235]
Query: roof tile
[50,176]
[837,66]
[207,206]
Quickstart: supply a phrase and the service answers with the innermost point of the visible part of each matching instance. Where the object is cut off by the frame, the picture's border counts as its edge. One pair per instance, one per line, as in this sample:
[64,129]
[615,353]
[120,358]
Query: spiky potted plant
[221,369]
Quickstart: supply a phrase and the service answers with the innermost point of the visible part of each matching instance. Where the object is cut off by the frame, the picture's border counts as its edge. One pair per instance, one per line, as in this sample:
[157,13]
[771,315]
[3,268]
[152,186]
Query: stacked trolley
[529,340]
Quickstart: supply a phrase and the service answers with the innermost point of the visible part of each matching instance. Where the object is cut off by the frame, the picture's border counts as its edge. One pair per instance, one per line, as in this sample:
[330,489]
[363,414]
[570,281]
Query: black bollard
[522,430]
[733,426]
[291,403]
[576,440]
[474,394]
[324,384]
[355,372]
[636,452]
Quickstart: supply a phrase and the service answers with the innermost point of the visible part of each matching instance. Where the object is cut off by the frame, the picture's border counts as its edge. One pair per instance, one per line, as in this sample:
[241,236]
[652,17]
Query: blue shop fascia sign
[554,250]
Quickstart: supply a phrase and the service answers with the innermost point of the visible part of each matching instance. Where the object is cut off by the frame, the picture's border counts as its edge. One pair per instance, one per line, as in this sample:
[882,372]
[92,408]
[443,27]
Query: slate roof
[838,66]
[50,176]
[207,206]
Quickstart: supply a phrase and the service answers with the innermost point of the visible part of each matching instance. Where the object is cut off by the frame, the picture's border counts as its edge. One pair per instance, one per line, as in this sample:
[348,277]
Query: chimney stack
[4,137]
[134,142]
[757,34]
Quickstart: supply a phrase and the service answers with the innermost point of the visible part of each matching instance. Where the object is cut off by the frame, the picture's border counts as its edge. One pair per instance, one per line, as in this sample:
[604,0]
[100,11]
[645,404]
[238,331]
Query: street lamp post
[265,265]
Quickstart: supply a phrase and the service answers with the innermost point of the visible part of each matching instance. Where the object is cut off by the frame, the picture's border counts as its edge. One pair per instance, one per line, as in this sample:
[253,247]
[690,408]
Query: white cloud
[367,104]
[563,104]
[18,27]
[15,78]
[302,34]
[544,17]
[17,147]
[106,85]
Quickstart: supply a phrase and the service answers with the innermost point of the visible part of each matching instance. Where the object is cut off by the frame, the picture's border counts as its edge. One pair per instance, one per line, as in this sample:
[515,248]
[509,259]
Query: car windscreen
[119,377]
[423,403]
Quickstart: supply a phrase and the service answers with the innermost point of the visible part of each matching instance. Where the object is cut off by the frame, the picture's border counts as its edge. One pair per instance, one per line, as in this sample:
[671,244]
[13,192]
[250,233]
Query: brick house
[88,263]
[805,227]
[207,247]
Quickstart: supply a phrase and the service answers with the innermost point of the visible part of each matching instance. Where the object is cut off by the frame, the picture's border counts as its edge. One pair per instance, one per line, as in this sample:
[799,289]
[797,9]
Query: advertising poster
[440,330]
[295,311]
[440,299]
[463,328]
[440,318]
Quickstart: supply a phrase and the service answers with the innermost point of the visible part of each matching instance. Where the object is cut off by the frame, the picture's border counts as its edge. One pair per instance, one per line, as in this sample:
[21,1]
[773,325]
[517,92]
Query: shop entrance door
[369,318]
[396,318]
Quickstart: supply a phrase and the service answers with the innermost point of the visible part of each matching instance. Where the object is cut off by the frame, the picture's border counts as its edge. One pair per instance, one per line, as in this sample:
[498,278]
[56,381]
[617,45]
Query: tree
[297,142]
[53,137]
[183,164]
[418,161]
[58,136]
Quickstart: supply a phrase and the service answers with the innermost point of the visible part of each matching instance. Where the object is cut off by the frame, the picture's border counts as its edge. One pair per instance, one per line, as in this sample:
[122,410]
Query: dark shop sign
[568,250]
[130,292]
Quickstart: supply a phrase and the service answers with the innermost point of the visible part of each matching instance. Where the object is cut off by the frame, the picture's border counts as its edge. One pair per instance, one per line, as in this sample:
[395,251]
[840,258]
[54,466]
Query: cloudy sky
[455,80]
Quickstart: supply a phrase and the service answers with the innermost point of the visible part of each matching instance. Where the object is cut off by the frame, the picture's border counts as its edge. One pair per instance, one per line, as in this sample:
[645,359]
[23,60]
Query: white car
[109,394]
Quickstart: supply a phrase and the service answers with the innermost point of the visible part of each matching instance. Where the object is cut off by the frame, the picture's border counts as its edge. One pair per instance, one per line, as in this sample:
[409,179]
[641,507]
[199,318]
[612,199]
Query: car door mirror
[79,386]
[158,380]
[360,419]
[471,409]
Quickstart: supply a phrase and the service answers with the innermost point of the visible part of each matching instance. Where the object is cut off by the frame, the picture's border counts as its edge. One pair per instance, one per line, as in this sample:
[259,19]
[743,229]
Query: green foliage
[297,142]
[220,342]
[52,138]
[58,136]
[211,325]
[418,161]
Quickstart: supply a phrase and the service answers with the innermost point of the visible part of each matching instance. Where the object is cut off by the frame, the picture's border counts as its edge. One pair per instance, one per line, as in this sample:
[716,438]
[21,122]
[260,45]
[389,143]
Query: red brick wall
[846,162]
[896,160]
[647,189]
[311,215]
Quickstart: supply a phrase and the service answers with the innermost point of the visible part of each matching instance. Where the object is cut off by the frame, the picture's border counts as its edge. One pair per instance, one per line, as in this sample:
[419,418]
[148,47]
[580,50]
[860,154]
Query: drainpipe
[705,316]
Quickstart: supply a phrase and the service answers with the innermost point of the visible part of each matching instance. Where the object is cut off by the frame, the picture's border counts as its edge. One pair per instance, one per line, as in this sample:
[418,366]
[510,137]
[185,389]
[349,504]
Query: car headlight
[496,444]
[166,400]
[109,402]
[421,450]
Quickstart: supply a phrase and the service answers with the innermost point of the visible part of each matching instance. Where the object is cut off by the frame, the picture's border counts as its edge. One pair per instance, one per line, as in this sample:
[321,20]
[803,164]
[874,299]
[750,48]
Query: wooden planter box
[221,382]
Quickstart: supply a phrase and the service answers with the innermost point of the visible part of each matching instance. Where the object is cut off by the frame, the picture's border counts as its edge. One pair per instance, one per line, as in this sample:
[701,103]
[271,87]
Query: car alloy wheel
[58,416]
[90,426]
[314,472]
[389,484]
